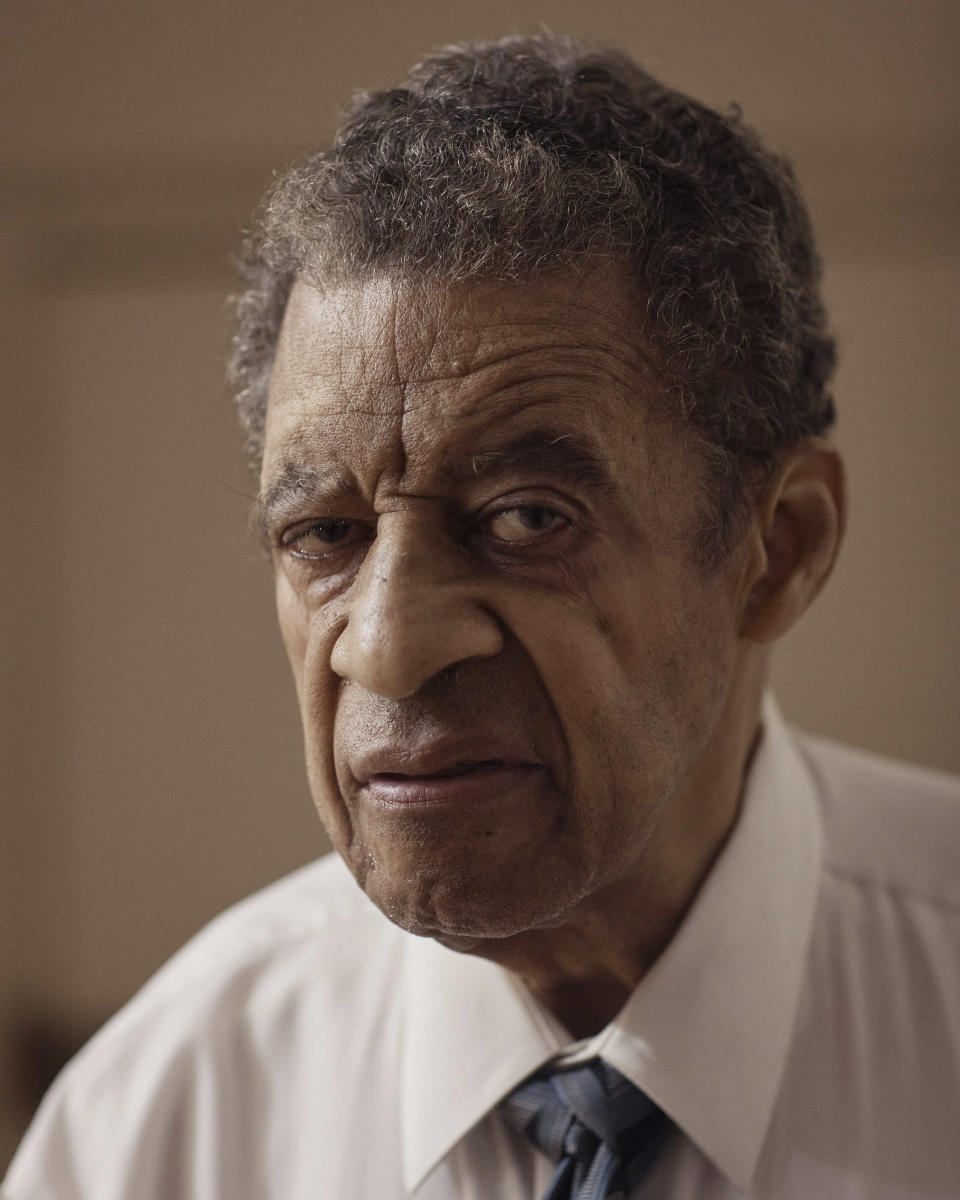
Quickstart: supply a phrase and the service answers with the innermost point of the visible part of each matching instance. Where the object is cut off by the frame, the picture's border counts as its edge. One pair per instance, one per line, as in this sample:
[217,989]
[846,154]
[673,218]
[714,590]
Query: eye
[323,538]
[522,524]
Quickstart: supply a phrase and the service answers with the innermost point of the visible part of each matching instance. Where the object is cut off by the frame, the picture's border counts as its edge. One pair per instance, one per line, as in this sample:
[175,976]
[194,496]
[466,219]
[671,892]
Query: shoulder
[871,1074]
[317,910]
[888,825]
[216,1033]
[271,941]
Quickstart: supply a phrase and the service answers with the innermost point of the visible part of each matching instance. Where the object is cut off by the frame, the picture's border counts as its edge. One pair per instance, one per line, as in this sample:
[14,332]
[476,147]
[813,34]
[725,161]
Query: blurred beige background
[152,769]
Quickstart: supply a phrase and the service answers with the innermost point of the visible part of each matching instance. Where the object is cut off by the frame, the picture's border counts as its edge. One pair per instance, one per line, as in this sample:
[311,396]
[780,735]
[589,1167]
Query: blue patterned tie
[600,1130]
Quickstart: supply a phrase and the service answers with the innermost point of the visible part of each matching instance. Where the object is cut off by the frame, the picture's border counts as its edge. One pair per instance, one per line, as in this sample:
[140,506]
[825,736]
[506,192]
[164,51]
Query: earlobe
[797,529]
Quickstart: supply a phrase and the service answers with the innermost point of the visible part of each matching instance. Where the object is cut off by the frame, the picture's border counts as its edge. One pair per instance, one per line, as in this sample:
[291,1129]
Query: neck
[585,969]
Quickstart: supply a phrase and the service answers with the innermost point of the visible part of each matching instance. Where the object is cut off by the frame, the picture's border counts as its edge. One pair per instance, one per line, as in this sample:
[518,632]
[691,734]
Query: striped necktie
[600,1130]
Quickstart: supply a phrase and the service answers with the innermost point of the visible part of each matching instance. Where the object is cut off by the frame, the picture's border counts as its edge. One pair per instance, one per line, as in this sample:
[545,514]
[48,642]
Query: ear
[797,528]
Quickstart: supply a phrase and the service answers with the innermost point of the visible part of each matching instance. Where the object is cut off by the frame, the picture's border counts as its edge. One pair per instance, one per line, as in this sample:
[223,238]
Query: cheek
[308,637]
[294,621]
[636,669]
[675,651]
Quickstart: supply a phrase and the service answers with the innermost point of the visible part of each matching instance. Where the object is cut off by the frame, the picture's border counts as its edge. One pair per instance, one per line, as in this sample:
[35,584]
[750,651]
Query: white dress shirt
[802,1029]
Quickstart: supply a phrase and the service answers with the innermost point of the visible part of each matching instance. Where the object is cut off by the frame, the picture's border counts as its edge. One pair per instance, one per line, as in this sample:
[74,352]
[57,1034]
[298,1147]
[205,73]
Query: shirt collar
[471,1032]
[705,1034]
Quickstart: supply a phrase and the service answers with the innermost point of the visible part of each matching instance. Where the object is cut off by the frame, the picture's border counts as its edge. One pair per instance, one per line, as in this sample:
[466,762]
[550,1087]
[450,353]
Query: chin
[462,912]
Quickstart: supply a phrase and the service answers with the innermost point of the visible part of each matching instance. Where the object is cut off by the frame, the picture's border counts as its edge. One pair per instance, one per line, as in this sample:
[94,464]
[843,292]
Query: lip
[471,784]
[449,770]
[439,754]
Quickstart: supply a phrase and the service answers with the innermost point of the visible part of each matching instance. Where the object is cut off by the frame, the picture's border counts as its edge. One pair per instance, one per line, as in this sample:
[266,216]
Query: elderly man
[534,372]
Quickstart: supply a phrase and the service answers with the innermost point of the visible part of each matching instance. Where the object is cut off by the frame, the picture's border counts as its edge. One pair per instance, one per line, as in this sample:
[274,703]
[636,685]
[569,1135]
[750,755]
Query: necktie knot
[580,1141]
[593,1123]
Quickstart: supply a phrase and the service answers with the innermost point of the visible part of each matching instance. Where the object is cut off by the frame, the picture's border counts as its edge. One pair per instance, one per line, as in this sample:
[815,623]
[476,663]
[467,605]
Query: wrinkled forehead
[382,332]
[426,362]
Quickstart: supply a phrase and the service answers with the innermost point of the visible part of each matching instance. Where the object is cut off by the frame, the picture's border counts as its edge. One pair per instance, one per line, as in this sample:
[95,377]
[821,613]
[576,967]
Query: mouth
[467,781]
[464,767]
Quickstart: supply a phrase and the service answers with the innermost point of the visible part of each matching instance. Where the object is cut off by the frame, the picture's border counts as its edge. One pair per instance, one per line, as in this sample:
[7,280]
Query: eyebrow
[567,457]
[292,484]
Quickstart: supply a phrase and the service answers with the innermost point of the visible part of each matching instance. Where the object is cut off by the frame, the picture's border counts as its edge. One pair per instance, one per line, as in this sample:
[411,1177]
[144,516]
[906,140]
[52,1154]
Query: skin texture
[484,545]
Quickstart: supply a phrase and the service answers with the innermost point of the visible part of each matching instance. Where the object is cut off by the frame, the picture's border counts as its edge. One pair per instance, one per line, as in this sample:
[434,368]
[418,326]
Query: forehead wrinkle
[430,364]
[350,379]
[407,335]
[401,380]
[552,411]
[570,329]
[566,401]
[440,344]
[557,360]
[339,350]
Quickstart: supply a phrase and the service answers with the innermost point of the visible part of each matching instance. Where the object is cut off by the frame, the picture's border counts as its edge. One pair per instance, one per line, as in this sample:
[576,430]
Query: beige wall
[152,761]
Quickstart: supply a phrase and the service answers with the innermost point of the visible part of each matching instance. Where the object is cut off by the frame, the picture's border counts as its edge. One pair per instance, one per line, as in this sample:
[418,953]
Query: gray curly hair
[509,159]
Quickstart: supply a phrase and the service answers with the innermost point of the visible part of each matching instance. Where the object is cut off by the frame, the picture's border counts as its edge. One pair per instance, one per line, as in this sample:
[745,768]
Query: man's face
[509,661]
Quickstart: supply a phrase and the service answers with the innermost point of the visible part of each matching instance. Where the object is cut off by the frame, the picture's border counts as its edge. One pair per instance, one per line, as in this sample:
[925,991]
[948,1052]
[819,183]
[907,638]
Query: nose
[414,609]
